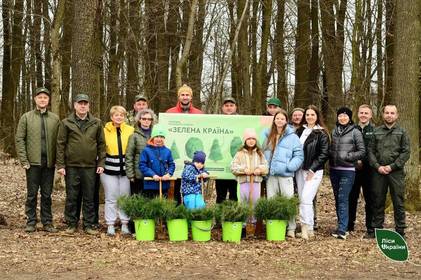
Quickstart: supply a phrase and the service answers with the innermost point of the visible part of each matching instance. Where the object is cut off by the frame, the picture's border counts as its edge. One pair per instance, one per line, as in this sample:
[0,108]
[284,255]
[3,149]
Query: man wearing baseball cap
[140,103]
[80,156]
[272,106]
[36,138]
[229,106]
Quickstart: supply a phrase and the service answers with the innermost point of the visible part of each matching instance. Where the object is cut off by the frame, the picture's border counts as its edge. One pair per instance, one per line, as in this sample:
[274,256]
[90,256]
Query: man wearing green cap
[272,106]
[140,103]
[156,161]
[80,155]
[36,138]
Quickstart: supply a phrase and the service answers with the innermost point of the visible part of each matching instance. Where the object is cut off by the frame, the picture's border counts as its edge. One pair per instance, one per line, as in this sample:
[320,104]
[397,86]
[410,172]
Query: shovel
[250,227]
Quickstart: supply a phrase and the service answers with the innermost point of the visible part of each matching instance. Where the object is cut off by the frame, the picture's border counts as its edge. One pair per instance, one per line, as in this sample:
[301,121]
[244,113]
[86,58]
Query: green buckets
[145,229]
[276,229]
[231,231]
[201,230]
[178,229]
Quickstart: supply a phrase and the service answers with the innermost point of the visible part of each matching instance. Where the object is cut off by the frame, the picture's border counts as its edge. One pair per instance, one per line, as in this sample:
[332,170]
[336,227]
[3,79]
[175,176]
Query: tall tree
[279,53]
[332,20]
[11,81]
[85,64]
[302,54]
[389,49]
[314,75]
[406,85]
[65,50]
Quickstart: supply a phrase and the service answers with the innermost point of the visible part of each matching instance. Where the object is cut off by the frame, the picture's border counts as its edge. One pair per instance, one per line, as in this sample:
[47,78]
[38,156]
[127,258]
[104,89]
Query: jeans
[342,181]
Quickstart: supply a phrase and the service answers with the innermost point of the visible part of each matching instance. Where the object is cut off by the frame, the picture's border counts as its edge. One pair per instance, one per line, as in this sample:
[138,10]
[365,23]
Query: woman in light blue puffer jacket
[284,153]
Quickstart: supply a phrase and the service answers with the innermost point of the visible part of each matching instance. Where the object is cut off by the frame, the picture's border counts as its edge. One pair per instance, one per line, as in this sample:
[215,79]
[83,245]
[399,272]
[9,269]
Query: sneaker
[369,235]
[30,228]
[340,235]
[111,231]
[71,230]
[50,228]
[125,229]
[291,233]
[91,231]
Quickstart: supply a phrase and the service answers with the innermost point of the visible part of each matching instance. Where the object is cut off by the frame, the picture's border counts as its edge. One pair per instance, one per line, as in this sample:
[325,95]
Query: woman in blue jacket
[284,153]
[156,161]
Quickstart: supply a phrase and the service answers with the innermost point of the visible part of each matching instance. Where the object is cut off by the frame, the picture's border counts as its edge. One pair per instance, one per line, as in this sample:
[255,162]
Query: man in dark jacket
[362,172]
[36,138]
[387,154]
[80,154]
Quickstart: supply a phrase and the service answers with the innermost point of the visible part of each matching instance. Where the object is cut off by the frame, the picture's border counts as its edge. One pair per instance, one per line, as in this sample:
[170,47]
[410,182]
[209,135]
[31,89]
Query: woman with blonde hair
[114,178]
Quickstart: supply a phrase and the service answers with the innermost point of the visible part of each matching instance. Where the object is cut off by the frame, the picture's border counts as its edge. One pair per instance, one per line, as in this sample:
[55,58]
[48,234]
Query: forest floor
[48,256]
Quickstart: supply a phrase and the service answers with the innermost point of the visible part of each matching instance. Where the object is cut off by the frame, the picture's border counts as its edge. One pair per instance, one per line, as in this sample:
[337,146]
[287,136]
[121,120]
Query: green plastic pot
[145,229]
[231,231]
[178,229]
[201,230]
[276,229]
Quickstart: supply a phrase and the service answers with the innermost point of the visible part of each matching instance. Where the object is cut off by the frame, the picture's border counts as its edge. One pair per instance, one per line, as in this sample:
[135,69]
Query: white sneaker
[291,233]
[125,229]
[111,231]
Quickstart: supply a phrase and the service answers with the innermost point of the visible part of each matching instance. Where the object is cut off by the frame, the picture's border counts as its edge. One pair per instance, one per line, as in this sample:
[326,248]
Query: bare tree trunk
[47,51]
[244,57]
[333,44]
[11,82]
[66,46]
[186,50]
[162,62]
[174,47]
[133,52]
[36,36]
[379,55]
[150,52]
[55,49]
[261,91]
[196,53]
[282,90]
[85,64]
[390,37]
[236,87]
[113,70]
[314,75]
[302,54]
[406,88]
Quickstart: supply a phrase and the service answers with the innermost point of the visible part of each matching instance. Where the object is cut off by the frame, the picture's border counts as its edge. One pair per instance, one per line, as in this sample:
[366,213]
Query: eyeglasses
[146,119]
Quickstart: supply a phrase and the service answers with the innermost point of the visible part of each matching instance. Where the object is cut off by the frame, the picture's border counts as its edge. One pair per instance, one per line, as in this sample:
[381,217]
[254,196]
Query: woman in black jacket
[346,149]
[315,140]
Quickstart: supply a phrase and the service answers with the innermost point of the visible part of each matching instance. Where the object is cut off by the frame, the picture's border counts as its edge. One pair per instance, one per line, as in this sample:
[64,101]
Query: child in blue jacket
[156,161]
[191,187]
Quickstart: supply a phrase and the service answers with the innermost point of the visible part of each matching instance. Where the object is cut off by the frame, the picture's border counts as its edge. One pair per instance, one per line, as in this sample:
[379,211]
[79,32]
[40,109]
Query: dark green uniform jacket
[389,146]
[80,145]
[28,137]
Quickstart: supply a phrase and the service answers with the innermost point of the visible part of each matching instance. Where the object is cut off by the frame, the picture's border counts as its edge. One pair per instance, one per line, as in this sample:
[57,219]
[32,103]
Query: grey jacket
[347,146]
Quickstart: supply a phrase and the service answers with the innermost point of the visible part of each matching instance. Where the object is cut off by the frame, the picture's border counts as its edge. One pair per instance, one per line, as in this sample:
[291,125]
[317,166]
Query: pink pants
[245,192]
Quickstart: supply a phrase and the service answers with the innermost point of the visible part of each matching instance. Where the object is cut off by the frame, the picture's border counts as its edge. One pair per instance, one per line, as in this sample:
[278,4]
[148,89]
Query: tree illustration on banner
[236,143]
[192,145]
[215,151]
[174,151]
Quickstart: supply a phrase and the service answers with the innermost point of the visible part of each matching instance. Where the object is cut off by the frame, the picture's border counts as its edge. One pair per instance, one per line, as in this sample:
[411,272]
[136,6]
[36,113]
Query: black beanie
[344,110]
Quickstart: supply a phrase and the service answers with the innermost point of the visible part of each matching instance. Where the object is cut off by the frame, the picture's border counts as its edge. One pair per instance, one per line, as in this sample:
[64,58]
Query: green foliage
[232,211]
[174,151]
[192,145]
[139,207]
[203,214]
[235,145]
[215,151]
[276,208]
[171,211]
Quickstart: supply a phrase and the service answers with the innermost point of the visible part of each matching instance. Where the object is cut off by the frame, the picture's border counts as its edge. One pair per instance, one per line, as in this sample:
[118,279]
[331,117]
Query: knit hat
[185,88]
[158,130]
[249,133]
[199,156]
[344,110]
[42,90]
[274,101]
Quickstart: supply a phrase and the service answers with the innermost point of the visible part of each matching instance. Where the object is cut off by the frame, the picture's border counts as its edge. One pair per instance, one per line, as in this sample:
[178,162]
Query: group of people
[129,156]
